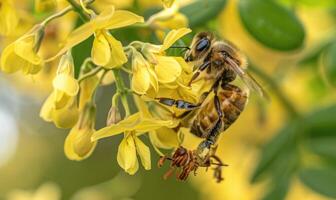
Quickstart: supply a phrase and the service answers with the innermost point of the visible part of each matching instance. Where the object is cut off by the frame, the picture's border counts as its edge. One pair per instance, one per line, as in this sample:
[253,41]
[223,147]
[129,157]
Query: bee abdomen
[233,102]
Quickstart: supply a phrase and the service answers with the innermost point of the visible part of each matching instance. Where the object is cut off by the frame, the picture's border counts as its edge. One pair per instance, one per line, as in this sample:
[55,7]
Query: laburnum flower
[143,74]
[163,137]
[166,68]
[9,18]
[22,54]
[168,18]
[132,127]
[106,51]
[61,107]
[78,144]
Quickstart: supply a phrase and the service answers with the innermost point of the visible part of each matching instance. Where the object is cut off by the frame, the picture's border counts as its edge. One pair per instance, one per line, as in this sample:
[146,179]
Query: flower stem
[89,74]
[121,90]
[78,9]
[57,15]
[289,107]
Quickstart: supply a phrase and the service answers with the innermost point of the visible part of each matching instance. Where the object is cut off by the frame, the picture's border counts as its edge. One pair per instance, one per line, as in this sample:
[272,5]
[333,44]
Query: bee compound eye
[203,44]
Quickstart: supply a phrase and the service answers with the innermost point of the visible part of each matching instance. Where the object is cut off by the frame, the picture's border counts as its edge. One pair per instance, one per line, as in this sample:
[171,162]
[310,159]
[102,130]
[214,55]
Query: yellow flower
[106,51]
[65,117]
[143,74]
[60,107]
[65,84]
[22,53]
[78,145]
[158,68]
[9,18]
[45,5]
[164,137]
[132,127]
[128,149]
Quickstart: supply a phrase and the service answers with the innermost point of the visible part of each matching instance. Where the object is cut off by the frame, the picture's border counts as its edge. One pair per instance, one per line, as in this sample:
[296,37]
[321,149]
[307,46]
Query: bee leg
[178,103]
[204,66]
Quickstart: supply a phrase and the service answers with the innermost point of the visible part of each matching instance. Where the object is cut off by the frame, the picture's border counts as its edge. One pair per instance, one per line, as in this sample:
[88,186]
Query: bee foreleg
[178,103]
[204,66]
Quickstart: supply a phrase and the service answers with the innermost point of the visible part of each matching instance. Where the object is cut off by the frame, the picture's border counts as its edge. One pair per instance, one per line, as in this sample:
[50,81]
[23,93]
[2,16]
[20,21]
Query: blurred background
[281,149]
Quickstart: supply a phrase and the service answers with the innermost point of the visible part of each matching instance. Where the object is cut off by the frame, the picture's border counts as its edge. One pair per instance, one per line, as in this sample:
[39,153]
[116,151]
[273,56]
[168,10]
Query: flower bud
[22,54]
[113,116]
[78,144]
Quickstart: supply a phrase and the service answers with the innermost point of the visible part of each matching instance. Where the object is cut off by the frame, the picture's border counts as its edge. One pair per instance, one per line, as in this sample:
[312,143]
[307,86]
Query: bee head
[229,50]
[200,46]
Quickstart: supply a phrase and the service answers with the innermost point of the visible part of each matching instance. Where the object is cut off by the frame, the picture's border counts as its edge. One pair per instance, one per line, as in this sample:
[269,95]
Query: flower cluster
[153,73]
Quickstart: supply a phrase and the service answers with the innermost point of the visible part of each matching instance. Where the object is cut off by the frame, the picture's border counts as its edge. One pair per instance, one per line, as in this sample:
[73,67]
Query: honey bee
[219,62]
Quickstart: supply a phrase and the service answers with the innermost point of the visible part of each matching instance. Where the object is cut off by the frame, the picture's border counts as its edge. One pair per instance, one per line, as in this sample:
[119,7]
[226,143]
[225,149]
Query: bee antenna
[180,47]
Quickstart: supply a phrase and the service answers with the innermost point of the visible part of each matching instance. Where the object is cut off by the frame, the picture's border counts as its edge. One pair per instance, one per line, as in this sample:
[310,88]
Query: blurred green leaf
[199,12]
[279,190]
[325,147]
[322,122]
[321,180]
[272,151]
[271,24]
[311,3]
[329,64]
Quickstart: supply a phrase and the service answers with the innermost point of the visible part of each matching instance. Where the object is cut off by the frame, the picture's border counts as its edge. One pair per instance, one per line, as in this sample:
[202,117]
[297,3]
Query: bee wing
[250,82]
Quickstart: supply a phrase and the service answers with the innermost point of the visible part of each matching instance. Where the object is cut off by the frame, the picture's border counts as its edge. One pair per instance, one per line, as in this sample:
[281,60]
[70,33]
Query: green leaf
[199,12]
[321,180]
[279,190]
[321,123]
[324,146]
[329,64]
[276,151]
[271,24]
[311,3]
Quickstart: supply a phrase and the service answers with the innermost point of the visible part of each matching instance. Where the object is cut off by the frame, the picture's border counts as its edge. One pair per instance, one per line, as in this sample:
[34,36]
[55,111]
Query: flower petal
[131,123]
[153,79]
[173,36]
[47,108]
[24,46]
[86,30]
[167,69]
[68,147]
[66,83]
[118,56]
[123,18]
[81,142]
[118,128]
[66,117]
[141,76]
[126,156]
[164,138]
[143,152]
[10,62]
[101,51]
[88,87]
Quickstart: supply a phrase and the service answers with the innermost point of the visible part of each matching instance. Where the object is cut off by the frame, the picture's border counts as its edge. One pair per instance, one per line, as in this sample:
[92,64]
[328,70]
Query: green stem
[89,74]
[78,9]
[57,15]
[122,90]
[290,108]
